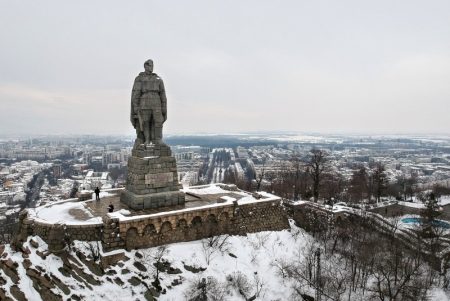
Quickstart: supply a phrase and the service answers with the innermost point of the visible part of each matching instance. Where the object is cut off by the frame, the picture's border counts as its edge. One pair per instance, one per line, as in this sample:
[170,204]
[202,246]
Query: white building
[96,179]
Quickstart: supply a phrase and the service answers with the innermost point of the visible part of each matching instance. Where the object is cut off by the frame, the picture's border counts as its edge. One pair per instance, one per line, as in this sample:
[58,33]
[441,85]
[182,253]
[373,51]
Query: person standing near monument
[97,194]
[148,106]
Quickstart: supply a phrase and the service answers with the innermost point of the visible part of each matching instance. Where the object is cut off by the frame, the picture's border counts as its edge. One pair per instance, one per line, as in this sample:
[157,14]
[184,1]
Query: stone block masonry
[187,225]
[58,235]
[152,180]
[164,227]
[159,180]
[235,212]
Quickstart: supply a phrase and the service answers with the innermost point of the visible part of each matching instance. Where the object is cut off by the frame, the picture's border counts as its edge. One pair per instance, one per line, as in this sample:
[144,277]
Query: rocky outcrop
[9,267]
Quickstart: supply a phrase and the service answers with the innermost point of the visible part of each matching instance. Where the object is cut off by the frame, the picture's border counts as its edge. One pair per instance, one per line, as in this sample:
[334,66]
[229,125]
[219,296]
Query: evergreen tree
[380,180]
[429,213]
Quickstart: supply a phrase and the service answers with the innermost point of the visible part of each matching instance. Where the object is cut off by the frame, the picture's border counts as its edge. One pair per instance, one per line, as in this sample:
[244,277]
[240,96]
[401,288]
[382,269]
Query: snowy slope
[254,257]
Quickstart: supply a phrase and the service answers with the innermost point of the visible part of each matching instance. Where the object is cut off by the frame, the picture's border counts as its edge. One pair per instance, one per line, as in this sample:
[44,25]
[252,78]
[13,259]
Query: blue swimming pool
[418,220]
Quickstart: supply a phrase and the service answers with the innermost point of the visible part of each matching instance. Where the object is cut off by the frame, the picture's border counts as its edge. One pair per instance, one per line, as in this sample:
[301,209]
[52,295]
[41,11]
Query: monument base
[153,200]
[152,180]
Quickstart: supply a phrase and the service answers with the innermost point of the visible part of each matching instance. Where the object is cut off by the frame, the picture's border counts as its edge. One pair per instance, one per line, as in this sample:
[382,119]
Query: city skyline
[323,67]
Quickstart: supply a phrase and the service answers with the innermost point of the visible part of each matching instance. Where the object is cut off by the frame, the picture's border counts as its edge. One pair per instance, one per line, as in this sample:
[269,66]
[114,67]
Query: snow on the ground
[124,212]
[299,202]
[227,198]
[246,198]
[444,200]
[251,255]
[210,189]
[254,255]
[59,212]
[412,205]
[439,295]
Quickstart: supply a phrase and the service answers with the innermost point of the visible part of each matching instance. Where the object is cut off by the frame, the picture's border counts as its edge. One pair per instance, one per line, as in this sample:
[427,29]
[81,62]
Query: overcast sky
[228,66]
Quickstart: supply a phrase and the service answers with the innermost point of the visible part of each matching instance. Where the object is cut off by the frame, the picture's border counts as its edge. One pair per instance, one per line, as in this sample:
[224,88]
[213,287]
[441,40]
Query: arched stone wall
[211,219]
[196,221]
[223,216]
[88,232]
[150,230]
[165,227]
[131,237]
[171,226]
[197,224]
[182,224]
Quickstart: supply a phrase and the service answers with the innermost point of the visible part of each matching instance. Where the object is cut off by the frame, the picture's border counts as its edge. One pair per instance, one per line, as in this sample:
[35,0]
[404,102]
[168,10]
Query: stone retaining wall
[166,227]
[72,232]
[312,217]
[316,218]
[58,235]
[195,224]
[84,232]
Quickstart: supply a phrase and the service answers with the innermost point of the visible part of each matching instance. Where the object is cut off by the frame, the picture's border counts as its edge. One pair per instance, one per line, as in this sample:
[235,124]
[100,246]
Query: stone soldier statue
[152,180]
[148,106]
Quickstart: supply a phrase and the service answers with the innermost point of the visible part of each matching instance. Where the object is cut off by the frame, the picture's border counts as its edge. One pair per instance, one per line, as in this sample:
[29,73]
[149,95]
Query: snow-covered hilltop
[259,266]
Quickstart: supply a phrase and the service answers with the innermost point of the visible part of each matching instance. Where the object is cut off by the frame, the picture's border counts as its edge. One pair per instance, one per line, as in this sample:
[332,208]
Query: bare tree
[406,185]
[258,285]
[359,186]
[260,240]
[206,289]
[329,280]
[250,290]
[399,276]
[316,166]
[296,166]
[281,265]
[94,250]
[152,259]
[212,245]
[333,187]
[260,177]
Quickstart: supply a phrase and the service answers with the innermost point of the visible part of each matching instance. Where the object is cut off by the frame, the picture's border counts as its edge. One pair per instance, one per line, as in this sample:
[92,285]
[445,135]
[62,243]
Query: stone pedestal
[152,180]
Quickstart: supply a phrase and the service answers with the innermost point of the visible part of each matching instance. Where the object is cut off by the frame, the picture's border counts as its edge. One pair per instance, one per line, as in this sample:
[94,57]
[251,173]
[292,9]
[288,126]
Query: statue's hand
[133,120]
[164,113]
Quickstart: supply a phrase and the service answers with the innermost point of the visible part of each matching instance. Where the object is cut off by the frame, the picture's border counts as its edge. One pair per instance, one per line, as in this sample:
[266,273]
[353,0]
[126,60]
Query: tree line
[314,177]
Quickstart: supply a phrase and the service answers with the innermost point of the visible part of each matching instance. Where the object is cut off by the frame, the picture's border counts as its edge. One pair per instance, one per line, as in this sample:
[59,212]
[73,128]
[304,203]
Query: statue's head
[148,66]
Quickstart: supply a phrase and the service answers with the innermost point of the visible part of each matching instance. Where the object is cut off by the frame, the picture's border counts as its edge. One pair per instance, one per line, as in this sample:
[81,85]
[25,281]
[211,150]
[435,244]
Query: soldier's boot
[147,135]
[158,135]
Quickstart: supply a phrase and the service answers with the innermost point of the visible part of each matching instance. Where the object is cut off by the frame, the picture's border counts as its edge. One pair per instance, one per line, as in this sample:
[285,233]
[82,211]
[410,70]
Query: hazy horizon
[256,134]
[324,67]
